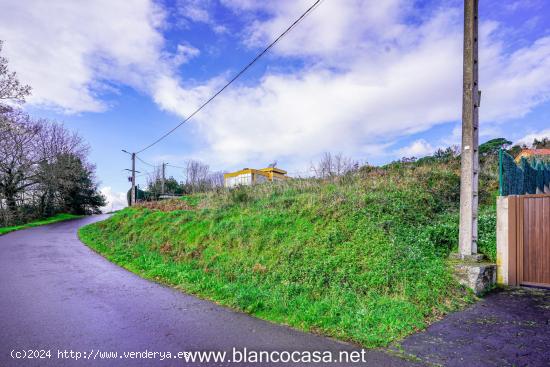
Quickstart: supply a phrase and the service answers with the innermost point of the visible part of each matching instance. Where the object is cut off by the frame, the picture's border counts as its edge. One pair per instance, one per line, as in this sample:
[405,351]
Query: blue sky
[375,80]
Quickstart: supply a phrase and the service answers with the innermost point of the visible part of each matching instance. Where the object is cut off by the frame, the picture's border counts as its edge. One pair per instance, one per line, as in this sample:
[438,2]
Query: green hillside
[362,257]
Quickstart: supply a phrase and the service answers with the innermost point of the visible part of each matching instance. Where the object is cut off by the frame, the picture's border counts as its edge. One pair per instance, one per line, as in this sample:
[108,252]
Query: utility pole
[163,178]
[133,193]
[133,170]
[470,134]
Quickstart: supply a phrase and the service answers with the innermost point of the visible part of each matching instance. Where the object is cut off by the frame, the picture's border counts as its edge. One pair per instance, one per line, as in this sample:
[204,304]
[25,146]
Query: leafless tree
[43,168]
[336,165]
[216,179]
[196,175]
[55,139]
[154,182]
[10,87]
[18,156]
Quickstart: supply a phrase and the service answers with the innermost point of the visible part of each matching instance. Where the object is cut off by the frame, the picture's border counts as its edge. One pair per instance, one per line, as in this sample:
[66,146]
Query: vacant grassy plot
[361,259]
[40,222]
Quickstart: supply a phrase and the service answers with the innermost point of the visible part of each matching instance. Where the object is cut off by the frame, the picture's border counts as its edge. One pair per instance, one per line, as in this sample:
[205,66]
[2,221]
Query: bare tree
[216,179]
[43,168]
[154,182]
[330,165]
[18,157]
[55,142]
[10,87]
[196,175]
[55,139]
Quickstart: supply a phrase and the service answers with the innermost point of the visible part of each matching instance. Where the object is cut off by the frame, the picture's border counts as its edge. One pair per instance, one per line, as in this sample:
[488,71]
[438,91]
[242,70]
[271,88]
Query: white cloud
[418,148]
[194,10]
[529,138]
[115,200]
[72,51]
[515,5]
[185,52]
[512,85]
[199,11]
[370,77]
[333,29]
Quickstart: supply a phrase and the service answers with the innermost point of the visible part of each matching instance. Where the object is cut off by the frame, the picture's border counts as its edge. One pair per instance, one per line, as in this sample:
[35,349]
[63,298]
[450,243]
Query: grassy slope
[363,259]
[56,218]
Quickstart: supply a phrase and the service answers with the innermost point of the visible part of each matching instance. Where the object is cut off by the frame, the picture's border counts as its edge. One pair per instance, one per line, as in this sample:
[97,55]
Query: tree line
[198,177]
[43,166]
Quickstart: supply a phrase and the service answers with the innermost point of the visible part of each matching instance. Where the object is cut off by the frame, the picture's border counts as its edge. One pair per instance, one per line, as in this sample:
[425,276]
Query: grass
[363,259]
[40,222]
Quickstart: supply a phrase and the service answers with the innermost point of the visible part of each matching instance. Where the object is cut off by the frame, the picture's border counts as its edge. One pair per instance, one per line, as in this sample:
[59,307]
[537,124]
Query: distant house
[529,153]
[251,176]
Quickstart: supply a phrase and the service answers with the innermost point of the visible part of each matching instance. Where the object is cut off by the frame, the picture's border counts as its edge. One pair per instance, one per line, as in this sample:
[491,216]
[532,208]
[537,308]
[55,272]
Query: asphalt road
[58,295]
[509,327]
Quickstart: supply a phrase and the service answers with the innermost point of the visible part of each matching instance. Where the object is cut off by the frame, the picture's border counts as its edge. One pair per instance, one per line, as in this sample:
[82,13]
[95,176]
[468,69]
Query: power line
[171,165]
[236,76]
[145,174]
[142,161]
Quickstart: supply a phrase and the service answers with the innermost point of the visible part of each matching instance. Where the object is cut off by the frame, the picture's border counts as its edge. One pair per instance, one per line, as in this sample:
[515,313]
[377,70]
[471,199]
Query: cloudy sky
[375,80]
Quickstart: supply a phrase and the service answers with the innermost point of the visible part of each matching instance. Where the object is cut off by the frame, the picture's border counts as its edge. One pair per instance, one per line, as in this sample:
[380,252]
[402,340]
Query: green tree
[492,146]
[75,186]
[543,143]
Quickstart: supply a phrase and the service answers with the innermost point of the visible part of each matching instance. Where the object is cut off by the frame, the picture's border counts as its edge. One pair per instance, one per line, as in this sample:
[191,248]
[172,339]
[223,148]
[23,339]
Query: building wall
[278,177]
[258,178]
[249,176]
[243,179]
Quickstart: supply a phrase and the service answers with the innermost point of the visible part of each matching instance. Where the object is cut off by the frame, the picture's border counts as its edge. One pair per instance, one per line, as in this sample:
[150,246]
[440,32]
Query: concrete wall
[502,241]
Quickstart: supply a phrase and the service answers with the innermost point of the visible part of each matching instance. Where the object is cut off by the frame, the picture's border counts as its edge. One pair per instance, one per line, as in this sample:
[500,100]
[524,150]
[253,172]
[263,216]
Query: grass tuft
[40,222]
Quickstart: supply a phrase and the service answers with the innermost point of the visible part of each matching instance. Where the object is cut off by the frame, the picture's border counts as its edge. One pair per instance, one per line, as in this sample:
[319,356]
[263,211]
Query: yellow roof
[243,172]
[262,171]
[273,169]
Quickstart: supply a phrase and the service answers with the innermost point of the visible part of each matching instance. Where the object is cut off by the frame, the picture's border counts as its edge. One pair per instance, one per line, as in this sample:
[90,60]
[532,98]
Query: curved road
[56,294]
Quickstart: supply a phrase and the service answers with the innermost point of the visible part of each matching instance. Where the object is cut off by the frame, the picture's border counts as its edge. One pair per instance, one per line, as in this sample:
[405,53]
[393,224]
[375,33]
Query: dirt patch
[166,205]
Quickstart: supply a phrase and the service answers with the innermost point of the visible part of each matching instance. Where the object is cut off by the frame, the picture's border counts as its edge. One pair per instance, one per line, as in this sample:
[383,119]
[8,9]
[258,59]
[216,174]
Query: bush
[239,195]
[487,237]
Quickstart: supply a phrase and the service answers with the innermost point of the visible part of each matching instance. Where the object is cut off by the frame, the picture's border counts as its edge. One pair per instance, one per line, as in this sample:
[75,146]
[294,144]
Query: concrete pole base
[476,258]
[480,277]
[473,273]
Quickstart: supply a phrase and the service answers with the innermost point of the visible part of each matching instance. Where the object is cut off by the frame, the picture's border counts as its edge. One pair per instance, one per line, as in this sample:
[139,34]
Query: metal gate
[529,236]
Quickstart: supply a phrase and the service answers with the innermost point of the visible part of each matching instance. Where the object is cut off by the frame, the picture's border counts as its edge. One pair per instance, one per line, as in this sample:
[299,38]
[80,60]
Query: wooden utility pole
[133,179]
[133,193]
[163,178]
[470,134]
